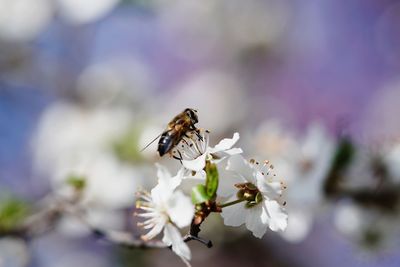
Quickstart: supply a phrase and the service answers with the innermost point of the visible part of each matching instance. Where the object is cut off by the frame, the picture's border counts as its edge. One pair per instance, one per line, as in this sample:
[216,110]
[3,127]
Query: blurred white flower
[260,191]
[22,20]
[310,166]
[348,219]
[299,224]
[311,162]
[13,253]
[19,23]
[167,209]
[304,162]
[75,141]
[391,159]
[78,11]
[367,226]
[195,151]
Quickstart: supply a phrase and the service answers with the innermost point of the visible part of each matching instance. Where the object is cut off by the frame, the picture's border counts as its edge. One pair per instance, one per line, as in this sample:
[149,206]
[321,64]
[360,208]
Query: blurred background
[313,86]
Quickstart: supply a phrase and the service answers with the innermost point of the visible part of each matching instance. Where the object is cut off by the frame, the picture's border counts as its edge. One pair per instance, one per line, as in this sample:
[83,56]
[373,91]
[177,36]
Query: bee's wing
[158,136]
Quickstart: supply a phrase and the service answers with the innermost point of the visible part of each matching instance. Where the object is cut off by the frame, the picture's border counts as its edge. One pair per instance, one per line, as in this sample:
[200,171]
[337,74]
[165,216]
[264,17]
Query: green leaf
[344,154]
[12,213]
[77,182]
[342,159]
[212,179]
[199,194]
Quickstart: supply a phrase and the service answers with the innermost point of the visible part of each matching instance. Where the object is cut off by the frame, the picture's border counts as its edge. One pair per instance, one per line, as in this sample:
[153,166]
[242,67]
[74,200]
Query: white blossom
[73,140]
[262,209]
[13,252]
[78,12]
[391,159]
[304,161]
[76,141]
[19,23]
[195,151]
[371,228]
[165,209]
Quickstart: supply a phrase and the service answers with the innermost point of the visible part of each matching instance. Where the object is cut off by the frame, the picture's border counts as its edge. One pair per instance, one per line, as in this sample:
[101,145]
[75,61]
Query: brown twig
[36,225]
[45,220]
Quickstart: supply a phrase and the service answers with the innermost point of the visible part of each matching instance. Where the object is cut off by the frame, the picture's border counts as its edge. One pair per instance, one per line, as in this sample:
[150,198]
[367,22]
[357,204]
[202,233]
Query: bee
[180,126]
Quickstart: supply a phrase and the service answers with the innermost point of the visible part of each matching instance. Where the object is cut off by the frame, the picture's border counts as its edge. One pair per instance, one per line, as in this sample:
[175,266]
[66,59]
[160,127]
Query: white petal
[239,165]
[277,216]
[160,194]
[177,179]
[225,144]
[233,151]
[166,184]
[220,156]
[77,12]
[162,172]
[200,175]
[227,181]
[256,220]
[272,189]
[174,238]
[180,209]
[234,215]
[155,230]
[197,164]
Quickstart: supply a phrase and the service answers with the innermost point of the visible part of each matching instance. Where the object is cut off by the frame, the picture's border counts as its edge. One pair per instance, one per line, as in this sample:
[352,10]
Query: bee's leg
[197,131]
[180,158]
[183,140]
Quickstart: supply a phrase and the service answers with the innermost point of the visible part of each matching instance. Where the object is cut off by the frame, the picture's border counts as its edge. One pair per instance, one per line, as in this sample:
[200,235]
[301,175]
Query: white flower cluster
[19,23]
[254,200]
[76,141]
[304,160]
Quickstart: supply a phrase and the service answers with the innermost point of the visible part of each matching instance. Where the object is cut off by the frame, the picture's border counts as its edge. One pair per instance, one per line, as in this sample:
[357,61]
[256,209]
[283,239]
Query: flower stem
[227,204]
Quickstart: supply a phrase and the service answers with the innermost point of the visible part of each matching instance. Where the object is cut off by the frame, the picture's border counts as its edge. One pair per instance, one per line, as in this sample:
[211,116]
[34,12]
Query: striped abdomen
[166,142]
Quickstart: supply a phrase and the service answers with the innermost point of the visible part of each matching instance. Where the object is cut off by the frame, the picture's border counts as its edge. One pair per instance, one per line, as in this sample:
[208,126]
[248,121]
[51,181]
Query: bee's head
[192,113]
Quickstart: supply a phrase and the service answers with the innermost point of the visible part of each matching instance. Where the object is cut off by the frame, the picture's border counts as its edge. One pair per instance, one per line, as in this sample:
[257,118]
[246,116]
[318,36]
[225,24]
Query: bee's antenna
[158,136]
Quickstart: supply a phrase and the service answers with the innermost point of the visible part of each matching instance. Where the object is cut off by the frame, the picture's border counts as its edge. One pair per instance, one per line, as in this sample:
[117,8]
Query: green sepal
[12,212]
[199,194]
[212,180]
[77,182]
